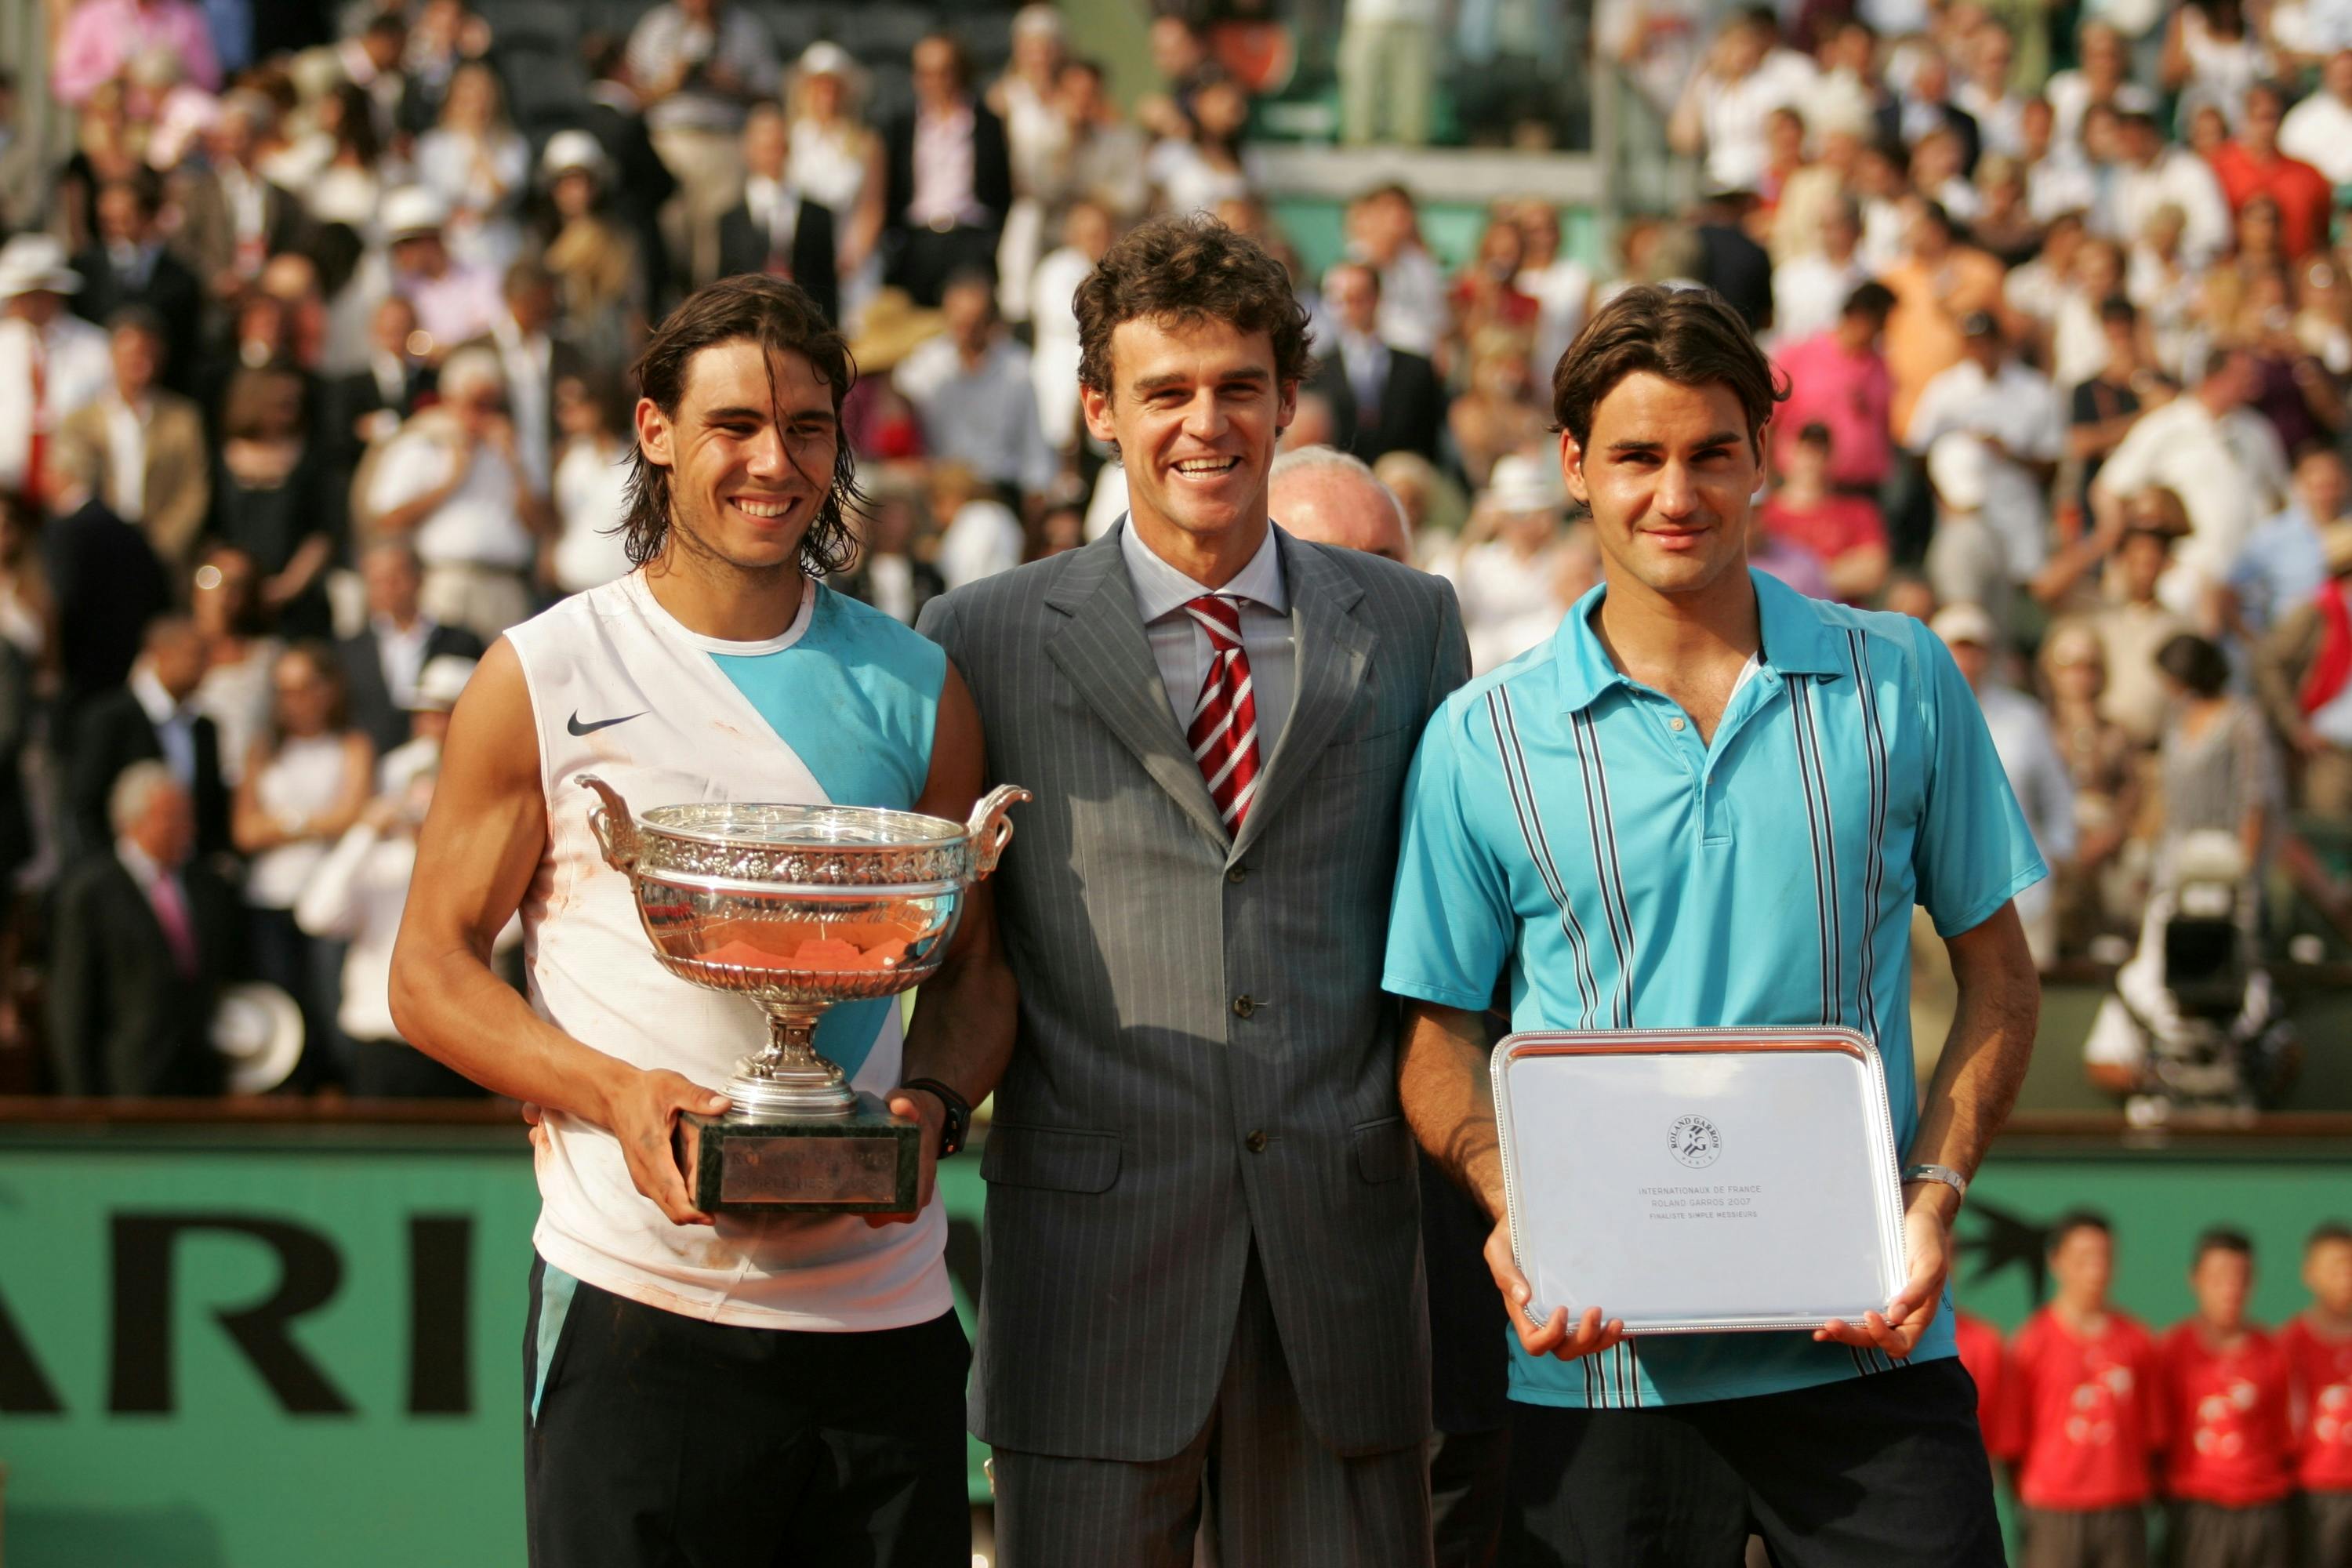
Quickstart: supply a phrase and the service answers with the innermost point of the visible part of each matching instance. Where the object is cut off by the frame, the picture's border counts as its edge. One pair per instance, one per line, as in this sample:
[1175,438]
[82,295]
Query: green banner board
[296,1345]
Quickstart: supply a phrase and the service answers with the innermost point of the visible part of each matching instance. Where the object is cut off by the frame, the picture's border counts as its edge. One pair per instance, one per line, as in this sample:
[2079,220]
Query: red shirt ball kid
[2227,1413]
[2321,1371]
[2081,1413]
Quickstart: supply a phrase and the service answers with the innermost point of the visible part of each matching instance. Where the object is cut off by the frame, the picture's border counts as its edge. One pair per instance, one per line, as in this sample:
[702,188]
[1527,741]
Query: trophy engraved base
[866,1161]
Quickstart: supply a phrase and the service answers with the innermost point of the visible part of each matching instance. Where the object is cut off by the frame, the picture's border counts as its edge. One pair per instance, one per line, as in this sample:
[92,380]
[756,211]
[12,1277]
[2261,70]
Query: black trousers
[660,1441]
[1886,1471]
[924,262]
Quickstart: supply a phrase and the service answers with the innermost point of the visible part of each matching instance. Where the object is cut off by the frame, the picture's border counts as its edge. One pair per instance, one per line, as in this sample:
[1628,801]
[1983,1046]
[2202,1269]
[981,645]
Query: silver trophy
[796,908]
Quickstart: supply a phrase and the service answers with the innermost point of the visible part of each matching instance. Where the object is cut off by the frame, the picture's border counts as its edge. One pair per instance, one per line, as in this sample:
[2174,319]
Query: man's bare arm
[1976,1083]
[480,845]
[961,1033]
[1443,1085]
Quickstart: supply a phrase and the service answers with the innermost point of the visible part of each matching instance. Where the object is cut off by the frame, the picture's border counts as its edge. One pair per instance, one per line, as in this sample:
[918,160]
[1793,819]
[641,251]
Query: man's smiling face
[750,453]
[1670,473]
[1195,407]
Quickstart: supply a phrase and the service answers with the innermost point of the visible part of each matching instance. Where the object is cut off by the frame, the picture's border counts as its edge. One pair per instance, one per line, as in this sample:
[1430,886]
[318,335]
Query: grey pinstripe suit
[1127,1177]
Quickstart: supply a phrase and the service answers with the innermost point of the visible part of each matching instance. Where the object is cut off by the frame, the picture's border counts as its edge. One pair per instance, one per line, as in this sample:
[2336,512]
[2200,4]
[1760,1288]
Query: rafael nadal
[710,1388]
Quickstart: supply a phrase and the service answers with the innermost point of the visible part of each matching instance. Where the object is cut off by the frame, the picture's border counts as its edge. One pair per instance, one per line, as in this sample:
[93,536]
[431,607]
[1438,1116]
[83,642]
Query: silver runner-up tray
[1700,1180]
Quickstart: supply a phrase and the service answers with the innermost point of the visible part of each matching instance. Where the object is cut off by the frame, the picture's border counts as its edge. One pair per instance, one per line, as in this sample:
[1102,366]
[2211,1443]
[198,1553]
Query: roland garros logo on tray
[1694,1141]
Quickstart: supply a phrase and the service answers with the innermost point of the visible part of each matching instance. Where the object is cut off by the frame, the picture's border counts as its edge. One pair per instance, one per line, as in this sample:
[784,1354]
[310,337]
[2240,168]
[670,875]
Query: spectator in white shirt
[2319,130]
[2012,410]
[453,483]
[2103,78]
[2222,458]
[356,895]
[1560,286]
[970,387]
[982,536]
[52,362]
[1985,94]
[2029,755]
[1722,112]
[592,485]
[1508,558]
[1384,233]
[1809,291]
[1087,233]
[2157,174]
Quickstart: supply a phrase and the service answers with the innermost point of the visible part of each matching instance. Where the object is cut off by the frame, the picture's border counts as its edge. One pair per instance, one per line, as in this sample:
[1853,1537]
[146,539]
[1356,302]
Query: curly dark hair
[1689,336]
[1186,269]
[780,317]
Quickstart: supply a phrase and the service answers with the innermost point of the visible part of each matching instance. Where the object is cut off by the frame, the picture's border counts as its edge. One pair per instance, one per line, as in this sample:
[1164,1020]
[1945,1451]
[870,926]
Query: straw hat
[257,1031]
[36,264]
[894,327]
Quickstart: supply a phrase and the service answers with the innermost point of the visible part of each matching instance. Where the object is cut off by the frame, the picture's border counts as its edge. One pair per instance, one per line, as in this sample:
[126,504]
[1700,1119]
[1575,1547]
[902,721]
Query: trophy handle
[989,828]
[615,826]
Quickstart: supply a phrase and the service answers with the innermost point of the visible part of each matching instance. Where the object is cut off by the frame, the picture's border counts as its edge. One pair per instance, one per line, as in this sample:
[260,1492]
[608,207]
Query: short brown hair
[1186,269]
[1689,336]
[781,318]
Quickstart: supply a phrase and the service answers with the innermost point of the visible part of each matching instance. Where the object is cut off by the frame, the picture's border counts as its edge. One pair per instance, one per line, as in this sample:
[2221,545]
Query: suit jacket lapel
[1103,651]
[1333,651]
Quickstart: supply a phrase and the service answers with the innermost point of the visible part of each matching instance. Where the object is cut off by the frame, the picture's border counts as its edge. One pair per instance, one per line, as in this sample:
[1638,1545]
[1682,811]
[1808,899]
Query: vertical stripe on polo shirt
[1518,780]
[1824,831]
[1605,869]
[1874,853]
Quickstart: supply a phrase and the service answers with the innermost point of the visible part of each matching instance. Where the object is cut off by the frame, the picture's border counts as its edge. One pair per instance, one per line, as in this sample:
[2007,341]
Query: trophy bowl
[796,908]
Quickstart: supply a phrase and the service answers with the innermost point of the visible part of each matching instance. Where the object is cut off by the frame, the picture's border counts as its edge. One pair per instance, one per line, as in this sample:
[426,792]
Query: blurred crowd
[315,339]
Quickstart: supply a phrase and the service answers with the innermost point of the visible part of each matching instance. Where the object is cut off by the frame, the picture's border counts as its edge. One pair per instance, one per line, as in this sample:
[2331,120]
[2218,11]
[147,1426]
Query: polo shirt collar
[1796,641]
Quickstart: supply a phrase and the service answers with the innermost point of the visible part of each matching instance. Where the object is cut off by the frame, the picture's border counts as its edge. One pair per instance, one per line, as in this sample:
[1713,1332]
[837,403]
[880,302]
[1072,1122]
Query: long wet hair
[781,317]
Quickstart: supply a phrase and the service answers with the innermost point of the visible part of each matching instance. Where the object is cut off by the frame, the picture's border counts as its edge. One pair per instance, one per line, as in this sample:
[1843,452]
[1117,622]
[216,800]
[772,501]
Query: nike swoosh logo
[577,728]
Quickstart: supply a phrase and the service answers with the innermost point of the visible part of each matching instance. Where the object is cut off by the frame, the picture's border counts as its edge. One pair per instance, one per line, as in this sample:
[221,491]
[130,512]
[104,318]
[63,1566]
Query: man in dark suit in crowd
[1731,261]
[382,661]
[535,350]
[1382,399]
[369,405]
[128,265]
[642,184]
[1926,105]
[148,719]
[104,576]
[950,178]
[233,218]
[144,938]
[776,230]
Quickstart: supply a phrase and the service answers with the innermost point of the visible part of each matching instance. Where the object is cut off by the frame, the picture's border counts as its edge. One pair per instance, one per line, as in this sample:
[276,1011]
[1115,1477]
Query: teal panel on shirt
[856,698]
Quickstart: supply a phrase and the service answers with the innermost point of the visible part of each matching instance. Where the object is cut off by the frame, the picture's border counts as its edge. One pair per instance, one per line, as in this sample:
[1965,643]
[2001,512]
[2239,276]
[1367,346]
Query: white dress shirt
[402,654]
[1180,648]
[776,210]
[77,370]
[126,455]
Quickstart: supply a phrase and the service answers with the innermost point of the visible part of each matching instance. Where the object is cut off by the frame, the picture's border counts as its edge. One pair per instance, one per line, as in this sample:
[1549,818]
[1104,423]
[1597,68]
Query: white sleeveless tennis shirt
[620,689]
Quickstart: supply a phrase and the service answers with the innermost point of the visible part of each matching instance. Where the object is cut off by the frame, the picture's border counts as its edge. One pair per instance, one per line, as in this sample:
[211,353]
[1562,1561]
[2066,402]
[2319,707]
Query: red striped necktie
[1224,731]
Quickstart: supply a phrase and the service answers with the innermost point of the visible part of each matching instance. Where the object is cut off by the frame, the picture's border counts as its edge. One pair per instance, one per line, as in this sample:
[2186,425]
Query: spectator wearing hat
[384,661]
[697,66]
[640,183]
[1504,567]
[950,178]
[1839,380]
[453,483]
[52,362]
[603,294]
[839,160]
[2014,413]
[455,300]
[356,896]
[129,264]
[2029,755]
[1384,398]
[102,39]
[146,935]
[775,228]
[232,216]
[2302,671]
[148,444]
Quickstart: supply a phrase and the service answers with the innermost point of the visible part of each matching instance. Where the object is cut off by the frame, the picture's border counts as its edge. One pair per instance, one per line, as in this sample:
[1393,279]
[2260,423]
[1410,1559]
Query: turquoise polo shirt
[1566,826]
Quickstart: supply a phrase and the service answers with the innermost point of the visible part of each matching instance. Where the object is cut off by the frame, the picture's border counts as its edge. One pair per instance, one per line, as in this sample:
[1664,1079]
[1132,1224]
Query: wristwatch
[1944,1173]
[959,1112]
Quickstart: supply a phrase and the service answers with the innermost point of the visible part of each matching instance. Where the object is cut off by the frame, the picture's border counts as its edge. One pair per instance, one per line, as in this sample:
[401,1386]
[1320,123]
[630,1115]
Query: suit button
[1238,874]
[1243,1006]
[1256,1142]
